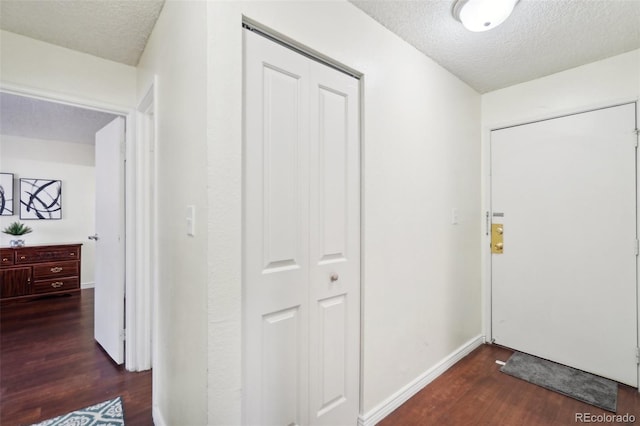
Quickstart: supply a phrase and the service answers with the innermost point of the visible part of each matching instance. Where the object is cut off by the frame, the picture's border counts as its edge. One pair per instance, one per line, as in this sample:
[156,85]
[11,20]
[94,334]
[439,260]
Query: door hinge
[638,356]
[637,248]
[123,334]
[637,132]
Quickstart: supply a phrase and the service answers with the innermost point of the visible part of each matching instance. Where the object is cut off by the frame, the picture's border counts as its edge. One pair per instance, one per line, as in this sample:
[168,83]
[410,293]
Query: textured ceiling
[38,119]
[115,29]
[541,37]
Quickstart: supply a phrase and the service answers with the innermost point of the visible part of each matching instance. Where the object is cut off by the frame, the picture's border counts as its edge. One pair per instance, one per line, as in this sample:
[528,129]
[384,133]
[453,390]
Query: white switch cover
[454,216]
[191,221]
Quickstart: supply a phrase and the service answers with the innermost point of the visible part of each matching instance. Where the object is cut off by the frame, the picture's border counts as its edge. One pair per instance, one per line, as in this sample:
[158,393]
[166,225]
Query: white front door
[301,240]
[564,288]
[109,240]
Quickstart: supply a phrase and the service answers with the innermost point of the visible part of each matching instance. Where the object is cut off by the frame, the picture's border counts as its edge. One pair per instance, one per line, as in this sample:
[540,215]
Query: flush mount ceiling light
[482,15]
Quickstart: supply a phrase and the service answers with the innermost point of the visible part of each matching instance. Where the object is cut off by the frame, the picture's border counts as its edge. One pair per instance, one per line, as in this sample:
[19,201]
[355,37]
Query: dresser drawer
[6,257]
[55,270]
[53,285]
[50,254]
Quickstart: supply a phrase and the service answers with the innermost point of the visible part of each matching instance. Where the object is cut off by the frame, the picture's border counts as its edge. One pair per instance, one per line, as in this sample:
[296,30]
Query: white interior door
[334,233]
[109,240]
[565,287]
[301,240]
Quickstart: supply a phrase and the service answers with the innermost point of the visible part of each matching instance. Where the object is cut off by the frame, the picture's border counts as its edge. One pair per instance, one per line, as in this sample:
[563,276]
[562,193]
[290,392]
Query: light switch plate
[191,220]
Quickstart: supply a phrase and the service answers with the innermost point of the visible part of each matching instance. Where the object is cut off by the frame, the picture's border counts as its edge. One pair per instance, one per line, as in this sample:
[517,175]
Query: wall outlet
[455,217]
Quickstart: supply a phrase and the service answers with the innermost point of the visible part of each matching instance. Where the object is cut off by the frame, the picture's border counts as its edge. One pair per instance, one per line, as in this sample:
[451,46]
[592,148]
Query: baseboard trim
[87,285]
[385,408]
[158,420]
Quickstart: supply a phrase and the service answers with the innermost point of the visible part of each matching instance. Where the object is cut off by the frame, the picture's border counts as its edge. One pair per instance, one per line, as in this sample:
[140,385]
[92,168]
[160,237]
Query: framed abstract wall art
[40,199]
[6,194]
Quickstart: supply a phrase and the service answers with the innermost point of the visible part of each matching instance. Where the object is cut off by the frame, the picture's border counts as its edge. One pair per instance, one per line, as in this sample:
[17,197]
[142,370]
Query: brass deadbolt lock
[497,241]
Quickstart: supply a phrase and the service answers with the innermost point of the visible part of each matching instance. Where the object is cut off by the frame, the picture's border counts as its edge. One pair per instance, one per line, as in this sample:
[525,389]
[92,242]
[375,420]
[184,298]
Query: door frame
[486,213]
[136,244]
[313,54]
[143,307]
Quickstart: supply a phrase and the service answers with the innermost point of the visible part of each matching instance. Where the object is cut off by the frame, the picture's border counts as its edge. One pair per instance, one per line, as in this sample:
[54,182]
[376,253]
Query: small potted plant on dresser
[17,229]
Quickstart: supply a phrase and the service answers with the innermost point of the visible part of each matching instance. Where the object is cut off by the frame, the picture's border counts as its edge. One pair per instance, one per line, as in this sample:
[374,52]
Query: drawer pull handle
[57,284]
[56,269]
[23,257]
[72,254]
[4,259]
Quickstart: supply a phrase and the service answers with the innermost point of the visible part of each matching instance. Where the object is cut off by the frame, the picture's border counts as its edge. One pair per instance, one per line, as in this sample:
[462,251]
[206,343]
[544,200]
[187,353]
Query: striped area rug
[107,413]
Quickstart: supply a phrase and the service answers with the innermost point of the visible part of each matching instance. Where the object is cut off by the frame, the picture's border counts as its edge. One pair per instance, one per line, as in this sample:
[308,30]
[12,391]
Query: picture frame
[6,194]
[40,199]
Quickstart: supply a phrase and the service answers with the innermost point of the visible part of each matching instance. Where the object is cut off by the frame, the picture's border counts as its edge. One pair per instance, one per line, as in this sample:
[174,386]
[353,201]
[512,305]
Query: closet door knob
[334,277]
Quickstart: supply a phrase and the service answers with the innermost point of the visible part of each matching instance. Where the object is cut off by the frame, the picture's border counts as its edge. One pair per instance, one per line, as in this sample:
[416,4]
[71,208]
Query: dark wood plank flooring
[50,364]
[475,392]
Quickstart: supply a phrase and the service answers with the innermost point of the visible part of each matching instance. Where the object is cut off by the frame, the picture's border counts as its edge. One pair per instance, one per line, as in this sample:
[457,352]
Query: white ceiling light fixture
[482,15]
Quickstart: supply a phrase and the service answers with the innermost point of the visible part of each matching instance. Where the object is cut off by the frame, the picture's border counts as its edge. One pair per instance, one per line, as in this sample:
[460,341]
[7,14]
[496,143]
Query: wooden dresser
[33,271]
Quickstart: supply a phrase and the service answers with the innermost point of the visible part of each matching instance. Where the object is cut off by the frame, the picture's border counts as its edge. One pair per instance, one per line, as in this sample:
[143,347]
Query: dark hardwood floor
[50,364]
[475,392]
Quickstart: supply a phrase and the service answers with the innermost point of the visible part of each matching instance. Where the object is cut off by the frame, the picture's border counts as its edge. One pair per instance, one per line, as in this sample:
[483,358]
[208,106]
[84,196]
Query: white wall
[74,165]
[42,67]
[603,83]
[421,274]
[176,52]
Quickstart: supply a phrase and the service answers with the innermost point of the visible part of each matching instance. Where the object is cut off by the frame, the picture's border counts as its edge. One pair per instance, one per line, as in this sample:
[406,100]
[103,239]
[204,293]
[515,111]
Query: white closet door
[335,247]
[301,240]
[565,287]
[276,235]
